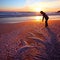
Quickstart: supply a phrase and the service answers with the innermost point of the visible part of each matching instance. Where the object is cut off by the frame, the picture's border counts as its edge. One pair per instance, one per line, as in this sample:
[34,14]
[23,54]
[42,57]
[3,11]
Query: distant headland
[58,11]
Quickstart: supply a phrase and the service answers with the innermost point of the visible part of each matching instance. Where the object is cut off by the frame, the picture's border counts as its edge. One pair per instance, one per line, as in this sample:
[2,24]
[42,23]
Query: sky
[30,5]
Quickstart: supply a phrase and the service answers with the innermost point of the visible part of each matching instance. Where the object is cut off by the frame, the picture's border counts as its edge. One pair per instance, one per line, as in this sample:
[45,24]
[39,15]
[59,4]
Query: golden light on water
[38,18]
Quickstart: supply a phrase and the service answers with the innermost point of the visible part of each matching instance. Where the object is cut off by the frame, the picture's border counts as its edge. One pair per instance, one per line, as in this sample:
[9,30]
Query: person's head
[41,12]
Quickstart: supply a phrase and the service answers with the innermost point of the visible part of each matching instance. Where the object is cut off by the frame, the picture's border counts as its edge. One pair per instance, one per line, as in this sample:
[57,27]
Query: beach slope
[30,41]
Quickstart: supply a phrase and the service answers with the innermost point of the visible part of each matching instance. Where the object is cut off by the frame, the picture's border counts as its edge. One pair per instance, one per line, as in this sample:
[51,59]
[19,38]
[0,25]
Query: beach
[17,36]
[29,29]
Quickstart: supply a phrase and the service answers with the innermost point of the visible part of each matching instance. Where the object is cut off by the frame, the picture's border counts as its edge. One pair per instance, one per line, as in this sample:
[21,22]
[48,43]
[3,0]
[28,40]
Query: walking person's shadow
[55,54]
[53,36]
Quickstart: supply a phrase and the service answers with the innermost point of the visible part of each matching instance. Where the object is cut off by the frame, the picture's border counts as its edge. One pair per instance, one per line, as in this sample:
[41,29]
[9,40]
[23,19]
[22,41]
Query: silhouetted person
[46,18]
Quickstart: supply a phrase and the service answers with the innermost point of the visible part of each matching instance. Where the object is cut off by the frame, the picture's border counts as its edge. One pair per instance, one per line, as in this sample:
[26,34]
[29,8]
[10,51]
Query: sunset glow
[30,5]
[38,9]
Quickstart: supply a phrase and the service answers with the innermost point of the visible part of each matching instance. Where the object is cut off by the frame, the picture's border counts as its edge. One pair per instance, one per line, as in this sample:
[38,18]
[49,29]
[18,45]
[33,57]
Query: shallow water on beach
[27,18]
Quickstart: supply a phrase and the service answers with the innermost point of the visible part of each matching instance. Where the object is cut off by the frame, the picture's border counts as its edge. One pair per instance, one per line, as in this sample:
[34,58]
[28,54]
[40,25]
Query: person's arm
[43,19]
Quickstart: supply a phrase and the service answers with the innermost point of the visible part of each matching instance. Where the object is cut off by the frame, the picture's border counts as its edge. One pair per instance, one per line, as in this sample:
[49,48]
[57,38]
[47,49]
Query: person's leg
[46,23]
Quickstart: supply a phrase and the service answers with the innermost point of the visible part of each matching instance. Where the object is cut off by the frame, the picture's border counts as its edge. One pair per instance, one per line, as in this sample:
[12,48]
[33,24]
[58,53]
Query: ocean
[23,17]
